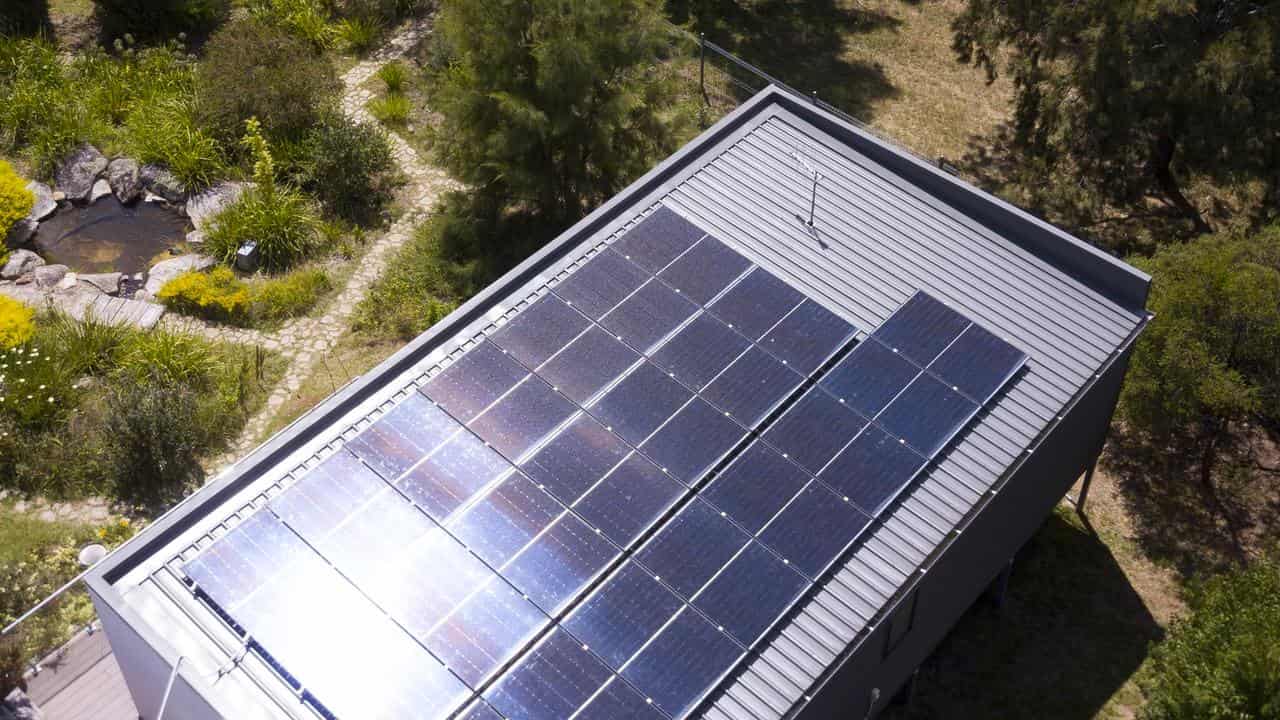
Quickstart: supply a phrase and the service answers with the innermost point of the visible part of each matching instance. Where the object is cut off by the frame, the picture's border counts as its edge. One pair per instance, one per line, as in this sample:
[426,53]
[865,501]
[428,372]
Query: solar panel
[586,365]
[452,475]
[559,563]
[692,441]
[756,303]
[549,683]
[812,531]
[755,486]
[617,701]
[814,429]
[752,387]
[648,315]
[627,609]
[872,469]
[575,459]
[682,663]
[502,522]
[700,351]
[869,377]
[751,593]
[523,417]
[629,500]
[978,364]
[658,239]
[691,547]
[397,440]
[641,402]
[921,328]
[485,632]
[705,270]
[475,380]
[540,330]
[927,414]
[327,494]
[480,710]
[600,283]
[807,337]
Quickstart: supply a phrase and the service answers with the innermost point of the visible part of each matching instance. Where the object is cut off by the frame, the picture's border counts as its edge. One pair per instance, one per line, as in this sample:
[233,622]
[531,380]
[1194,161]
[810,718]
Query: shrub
[24,17]
[391,110]
[15,199]
[350,168]
[84,347]
[166,133]
[305,19]
[167,358]
[156,456]
[34,387]
[254,70]
[359,34]
[394,76]
[216,295]
[16,326]
[289,295]
[160,19]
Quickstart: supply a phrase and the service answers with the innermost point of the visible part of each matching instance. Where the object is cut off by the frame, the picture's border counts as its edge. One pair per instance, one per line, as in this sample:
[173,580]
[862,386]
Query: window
[901,622]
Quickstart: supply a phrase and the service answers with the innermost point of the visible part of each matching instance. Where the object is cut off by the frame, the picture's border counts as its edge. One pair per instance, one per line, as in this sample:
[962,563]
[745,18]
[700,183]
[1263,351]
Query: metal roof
[886,226]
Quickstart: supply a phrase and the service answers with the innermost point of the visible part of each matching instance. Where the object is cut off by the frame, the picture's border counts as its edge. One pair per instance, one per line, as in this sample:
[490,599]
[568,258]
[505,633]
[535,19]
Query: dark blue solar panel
[629,500]
[403,436]
[640,403]
[480,710]
[814,429]
[498,525]
[752,387]
[522,418]
[700,351]
[694,440]
[751,593]
[814,530]
[872,469]
[559,563]
[683,663]
[575,459]
[327,494]
[705,270]
[978,364]
[869,377]
[691,547]
[588,364]
[619,702]
[658,239]
[921,328]
[622,614]
[927,415]
[452,475]
[600,284]
[807,337]
[756,303]
[485,632]
[648,315]
[474,381]
[540,330]
[755,486]
[549,683]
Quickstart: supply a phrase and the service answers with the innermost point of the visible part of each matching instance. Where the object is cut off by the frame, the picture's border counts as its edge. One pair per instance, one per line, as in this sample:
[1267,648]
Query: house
[685,532]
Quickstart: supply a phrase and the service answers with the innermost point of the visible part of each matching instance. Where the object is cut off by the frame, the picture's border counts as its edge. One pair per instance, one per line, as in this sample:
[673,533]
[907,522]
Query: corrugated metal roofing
[877,239]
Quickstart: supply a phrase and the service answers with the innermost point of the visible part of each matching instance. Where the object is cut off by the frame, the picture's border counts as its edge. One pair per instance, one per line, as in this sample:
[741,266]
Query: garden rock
[79,171]
[204,206]
[108,283]
[20,263]
[18,706]
[21,232]
[101,189]
[45,203]
[49,275]
[162,182]
[164,271]
[125,178]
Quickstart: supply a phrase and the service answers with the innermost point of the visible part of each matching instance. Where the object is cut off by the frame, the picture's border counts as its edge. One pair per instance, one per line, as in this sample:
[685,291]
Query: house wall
[147,672]
[966,568]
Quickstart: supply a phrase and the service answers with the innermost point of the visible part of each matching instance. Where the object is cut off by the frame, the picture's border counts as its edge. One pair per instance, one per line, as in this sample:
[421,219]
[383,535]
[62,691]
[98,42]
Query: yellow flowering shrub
[16,325]
[217,295]
[15,199]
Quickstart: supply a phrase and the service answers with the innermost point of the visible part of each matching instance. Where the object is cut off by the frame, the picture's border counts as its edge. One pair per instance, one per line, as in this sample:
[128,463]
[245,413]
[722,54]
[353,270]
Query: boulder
[108,283]
[125,178]
[101,189]
[79,171]
[166,270]
[20,263]
[45,204]
[195,237]
[48,276]
[204,206]
[21,232]
[69,281]
[162,182]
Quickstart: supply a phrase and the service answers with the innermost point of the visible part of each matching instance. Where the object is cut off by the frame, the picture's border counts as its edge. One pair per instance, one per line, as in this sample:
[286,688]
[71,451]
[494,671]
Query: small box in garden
[247,257]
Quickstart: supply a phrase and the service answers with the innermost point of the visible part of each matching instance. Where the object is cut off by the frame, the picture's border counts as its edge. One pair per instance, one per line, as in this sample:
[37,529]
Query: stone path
[303,342]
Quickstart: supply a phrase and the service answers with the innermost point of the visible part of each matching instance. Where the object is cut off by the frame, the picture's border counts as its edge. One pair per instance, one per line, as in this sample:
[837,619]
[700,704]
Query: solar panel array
[533,534]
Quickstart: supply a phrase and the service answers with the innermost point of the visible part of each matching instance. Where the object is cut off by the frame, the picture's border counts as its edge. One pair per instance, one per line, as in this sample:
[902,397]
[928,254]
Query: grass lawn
[21,532]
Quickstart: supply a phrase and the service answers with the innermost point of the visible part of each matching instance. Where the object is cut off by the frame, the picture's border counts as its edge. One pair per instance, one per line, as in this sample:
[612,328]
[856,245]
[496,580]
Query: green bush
[349,167]
[254,70]
[391,110]
[84,347]
[305,19]
[166,133]
[359,34]
[15,199]
[289,295]
[156,456]
[1222,661]
[394,76]
[167,358]
[160,19]
[216,295]
[34,388]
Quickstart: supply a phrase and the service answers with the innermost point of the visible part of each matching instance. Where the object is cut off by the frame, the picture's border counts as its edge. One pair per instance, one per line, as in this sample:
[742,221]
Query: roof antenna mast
[817,176]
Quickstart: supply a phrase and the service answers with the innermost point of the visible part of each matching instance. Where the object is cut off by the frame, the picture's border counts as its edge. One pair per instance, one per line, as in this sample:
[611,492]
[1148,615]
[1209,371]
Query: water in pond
[108,236]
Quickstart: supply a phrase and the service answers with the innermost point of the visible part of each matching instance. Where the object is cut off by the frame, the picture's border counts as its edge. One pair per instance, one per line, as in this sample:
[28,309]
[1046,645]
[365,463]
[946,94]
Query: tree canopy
[552,105]
[1139,96]
[1211,357]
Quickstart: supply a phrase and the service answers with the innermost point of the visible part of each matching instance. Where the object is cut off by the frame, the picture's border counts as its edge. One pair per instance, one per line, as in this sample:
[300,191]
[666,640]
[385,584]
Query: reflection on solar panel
[600,507]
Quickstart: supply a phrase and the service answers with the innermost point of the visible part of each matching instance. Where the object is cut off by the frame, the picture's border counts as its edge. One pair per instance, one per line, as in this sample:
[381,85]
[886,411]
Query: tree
[1210,360]
[1222,661]
[552,104]
[1133,94]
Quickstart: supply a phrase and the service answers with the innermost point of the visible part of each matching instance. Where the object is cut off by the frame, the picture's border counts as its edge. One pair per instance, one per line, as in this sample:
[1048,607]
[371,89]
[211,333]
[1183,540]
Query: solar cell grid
[755,486]
[928,414]
[641,402]
[522,418]
[588,364]
[620,616]
[540,330]
[705,270]
[756,303]
[467,386]
[752,387]
[869,377]
[575,459]
[807,337]
[629,500]
[692,441]
[648,316]
[682,663]
[658,239]
[550,682]
[921,328]
[324,496]
[600,283]
[452,475]
[498,525]
[691,547]
[485,631]
[700,351]
[559,563]
[814,529]
[978,364]
[617,701]
[750,593]
[872,469]
[403,436]
[814,429]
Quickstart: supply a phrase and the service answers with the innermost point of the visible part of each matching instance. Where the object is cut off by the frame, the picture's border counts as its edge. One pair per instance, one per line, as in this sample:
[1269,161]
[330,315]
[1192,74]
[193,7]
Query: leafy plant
[394,76]
[216,295]
[16,326]
[160,19]
[84,347]
[33,387]
[165,132]
[359,34]
[289,295]
[167,358]
[305,19]
[156,458]
[15,199]
[350,169]
[392,110]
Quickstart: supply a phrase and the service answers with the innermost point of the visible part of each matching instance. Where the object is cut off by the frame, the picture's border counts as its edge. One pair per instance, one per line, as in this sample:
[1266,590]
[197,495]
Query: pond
[109,236]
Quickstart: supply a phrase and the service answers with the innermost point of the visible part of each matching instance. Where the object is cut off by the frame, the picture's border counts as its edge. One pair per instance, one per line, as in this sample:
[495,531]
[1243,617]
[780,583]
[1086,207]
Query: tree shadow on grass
[25,17]
[800,43]
[1072,632]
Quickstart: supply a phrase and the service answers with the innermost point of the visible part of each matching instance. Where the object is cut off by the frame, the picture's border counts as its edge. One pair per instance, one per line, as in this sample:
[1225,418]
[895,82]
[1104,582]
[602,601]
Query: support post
[1084,487]
[702,67]
[173,675]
